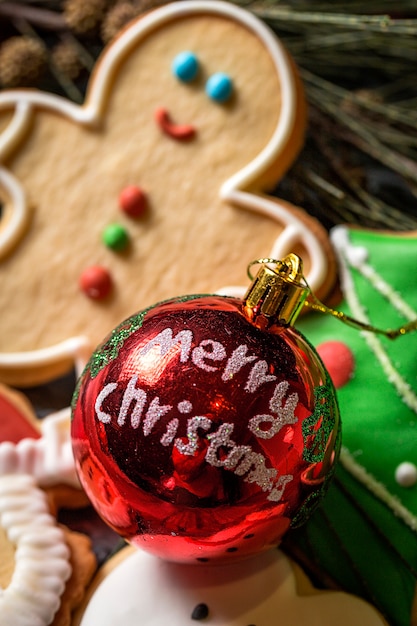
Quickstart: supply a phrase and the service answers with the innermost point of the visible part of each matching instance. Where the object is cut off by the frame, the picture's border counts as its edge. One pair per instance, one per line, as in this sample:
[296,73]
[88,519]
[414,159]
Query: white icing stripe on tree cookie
[48,459]
[377,488]
[346,252]
[357,258]
[41,558]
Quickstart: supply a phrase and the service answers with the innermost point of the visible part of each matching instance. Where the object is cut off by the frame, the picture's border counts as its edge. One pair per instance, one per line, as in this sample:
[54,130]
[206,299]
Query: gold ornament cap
[277,294]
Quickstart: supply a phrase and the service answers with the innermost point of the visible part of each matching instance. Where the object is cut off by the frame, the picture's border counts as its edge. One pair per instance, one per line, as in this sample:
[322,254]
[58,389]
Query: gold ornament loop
[287,267]
[276,294]
[292,280]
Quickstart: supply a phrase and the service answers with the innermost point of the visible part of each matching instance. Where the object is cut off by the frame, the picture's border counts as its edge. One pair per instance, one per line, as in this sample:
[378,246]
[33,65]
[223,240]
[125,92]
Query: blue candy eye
[219,87]
[185,66]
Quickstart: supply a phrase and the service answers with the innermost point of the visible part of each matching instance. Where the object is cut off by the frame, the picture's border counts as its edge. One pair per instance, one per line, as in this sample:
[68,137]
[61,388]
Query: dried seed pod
[23,59]
[85,17]
[116,18]
[66,59]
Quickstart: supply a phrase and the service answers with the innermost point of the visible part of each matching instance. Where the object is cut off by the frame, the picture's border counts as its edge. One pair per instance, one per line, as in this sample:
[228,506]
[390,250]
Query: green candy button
[115,237]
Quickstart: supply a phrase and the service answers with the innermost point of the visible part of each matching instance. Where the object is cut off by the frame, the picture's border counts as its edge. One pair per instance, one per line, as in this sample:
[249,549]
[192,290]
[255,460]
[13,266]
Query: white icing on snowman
[142,589]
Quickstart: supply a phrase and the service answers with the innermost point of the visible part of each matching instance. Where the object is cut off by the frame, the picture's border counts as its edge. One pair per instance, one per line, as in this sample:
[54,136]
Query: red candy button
[339,361]
[95,282]
[132,201]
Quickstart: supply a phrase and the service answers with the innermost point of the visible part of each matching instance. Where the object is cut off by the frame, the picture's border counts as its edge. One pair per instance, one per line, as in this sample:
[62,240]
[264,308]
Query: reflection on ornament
[203,427]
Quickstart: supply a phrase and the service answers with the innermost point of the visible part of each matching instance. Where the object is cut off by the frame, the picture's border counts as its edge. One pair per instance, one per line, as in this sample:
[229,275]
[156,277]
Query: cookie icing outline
[19,218]
[77,349]
[233,190]
[41,559]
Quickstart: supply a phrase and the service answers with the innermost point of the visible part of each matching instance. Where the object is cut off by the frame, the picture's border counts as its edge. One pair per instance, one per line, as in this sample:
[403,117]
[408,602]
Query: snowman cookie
[268,589]
[156,186]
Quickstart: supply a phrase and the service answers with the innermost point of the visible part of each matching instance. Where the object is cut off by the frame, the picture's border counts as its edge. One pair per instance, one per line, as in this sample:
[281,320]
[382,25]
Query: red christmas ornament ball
[198,436]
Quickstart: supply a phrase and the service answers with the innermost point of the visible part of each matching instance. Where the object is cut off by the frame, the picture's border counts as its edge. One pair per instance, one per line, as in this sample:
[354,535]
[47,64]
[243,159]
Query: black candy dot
[200,612]
[231,550]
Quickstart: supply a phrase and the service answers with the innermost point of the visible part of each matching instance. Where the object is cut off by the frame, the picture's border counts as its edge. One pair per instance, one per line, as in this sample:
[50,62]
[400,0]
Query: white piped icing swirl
[41,558]
[48,459]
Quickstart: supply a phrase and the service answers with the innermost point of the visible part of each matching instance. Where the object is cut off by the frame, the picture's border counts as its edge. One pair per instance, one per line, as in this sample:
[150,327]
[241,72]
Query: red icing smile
[180,132]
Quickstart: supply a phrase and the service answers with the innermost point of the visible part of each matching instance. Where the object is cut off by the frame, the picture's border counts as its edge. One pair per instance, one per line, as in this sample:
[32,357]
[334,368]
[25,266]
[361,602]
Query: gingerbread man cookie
[156,186]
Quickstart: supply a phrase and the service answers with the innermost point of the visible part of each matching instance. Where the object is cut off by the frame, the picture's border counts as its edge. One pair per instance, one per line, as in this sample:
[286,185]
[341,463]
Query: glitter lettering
[236,362]
[235,455]
[251,463]
[219,439]
[137,409]
[170,433]
[132,394]
[278,491]
[258,376]
[103,417]
[166,342]
[284,413]
[217,353]
[260,474]
[154,414]
[193,424]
